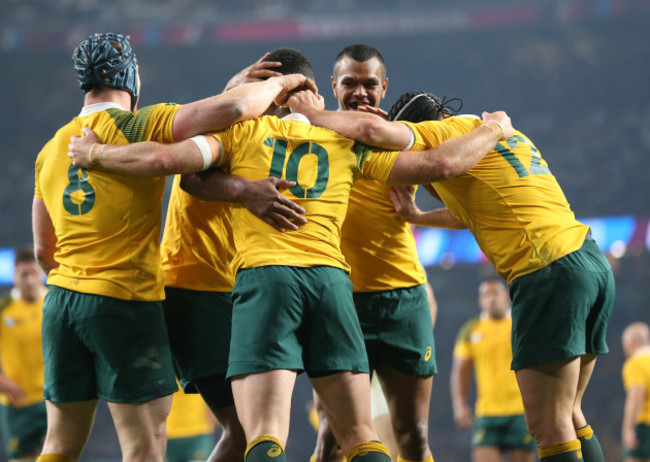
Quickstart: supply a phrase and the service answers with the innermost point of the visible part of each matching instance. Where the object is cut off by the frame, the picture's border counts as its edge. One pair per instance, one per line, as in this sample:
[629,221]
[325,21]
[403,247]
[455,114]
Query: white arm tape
[204,147]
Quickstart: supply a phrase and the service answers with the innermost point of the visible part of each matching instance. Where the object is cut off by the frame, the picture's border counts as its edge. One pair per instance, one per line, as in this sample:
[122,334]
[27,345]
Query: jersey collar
[91,108]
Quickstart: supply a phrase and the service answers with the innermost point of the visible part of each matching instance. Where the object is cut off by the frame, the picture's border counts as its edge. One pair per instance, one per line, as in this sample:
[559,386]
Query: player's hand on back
[257,71]
[403,199]
[501,118]
[79,149]
[264,200]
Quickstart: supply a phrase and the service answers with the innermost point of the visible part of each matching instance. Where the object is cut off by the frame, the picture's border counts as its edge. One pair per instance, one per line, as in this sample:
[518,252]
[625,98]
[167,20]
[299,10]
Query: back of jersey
[107,226]
[322,163]
[515,207]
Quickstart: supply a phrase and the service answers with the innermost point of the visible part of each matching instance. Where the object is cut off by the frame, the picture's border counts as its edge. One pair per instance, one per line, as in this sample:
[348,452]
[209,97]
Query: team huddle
[287,248]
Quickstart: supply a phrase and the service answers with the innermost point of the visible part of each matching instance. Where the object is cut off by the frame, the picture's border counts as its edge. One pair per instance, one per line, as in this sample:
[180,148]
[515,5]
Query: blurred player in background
[22,410]
[636,380]
[97,237]
[392,302]
[190,429]
[483,344]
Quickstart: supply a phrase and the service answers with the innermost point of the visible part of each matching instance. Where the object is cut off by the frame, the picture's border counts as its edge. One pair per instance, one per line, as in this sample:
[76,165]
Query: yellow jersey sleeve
[21,355]
[197,244]
[636,372]
[107,225]
[322,163]
[512,204]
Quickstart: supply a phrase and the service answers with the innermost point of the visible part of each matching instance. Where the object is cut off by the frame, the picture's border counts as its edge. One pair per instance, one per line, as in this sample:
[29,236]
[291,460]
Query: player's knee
[412,439]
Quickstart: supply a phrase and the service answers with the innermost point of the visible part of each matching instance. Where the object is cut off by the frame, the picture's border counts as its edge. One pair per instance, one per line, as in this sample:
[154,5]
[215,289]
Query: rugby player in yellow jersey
[389,286]
[293,308]
[190,429]
[483,344]
[518,214]
[97,237]
[197,249]
[636,380]
[22,409]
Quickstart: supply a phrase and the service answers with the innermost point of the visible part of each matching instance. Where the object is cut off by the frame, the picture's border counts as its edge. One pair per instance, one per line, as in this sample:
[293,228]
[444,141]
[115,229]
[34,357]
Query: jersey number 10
[277,165]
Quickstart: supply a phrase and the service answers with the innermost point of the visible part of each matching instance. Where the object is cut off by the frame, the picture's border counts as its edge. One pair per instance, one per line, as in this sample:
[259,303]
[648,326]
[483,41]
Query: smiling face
[359,82]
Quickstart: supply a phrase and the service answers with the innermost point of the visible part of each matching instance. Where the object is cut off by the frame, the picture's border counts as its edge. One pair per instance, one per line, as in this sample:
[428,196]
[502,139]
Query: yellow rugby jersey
[107,225]
[21,355]
[377,243]
[512,204]
[486,342]
[636,371]
[197,244]
[189,416]
[323,163]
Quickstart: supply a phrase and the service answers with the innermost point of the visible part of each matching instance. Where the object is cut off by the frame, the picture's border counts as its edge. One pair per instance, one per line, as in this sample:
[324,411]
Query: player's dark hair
[418,106]
[360,52]
[293,62]
[24,254]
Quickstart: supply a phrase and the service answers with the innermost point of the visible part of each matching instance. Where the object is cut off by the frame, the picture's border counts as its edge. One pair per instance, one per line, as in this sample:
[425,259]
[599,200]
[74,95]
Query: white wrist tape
[204,147]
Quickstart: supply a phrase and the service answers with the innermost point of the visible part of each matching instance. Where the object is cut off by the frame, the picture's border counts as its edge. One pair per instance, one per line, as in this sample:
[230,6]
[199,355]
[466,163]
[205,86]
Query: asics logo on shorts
[275,451]
[427,354]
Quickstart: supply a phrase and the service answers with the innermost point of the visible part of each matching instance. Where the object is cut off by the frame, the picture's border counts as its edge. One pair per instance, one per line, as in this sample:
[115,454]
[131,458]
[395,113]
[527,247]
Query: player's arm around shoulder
[147,158]
[453,157]
[364,127]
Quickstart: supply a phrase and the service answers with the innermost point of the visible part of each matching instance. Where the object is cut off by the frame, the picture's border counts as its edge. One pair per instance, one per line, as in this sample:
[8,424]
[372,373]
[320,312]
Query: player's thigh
[263,402]
[140,422]
[68,427]
[199,327]
[345,398]
[408,397]
[486,454]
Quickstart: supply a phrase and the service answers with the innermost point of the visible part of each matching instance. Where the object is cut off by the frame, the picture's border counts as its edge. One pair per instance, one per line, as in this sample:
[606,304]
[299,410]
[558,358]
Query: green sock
[265,448]
[569,451]
[371,451]
[591,450]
